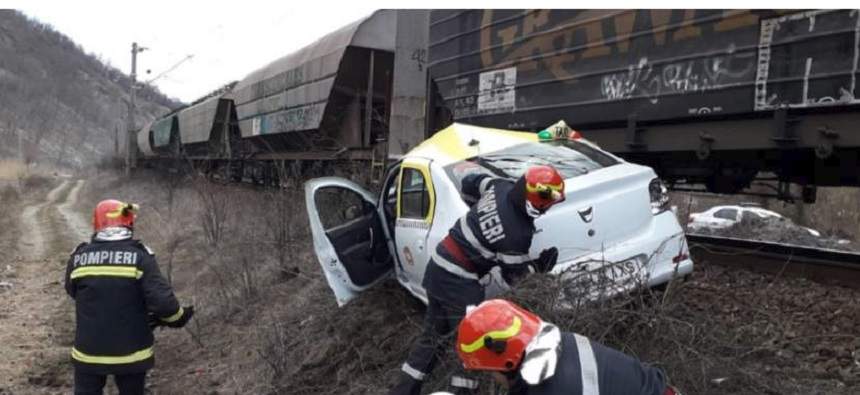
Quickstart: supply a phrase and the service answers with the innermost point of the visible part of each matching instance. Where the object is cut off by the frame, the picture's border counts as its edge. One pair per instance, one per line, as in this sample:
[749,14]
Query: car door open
[348,237]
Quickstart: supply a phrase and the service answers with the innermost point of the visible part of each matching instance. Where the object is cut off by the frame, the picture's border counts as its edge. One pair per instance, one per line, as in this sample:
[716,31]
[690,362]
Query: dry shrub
[674,329]
[314,347]
[216,206]
[9,200]
[34,181]
[8,196]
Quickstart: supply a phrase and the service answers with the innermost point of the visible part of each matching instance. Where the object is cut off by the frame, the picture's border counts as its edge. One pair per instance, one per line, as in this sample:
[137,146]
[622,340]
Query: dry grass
[11,170]
[268,324]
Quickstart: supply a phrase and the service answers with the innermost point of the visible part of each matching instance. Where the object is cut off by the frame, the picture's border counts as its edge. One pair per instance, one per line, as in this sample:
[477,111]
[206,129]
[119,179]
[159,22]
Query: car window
[414,196]
[340,206]
[727,213]
[571,158]
[389,192]
[749,215]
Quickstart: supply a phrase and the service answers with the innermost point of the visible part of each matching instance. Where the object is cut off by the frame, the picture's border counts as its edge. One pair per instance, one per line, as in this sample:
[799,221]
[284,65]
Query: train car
[144,145]
[207,129]
[329,100]
[164,135]
[703,96]
[160,138]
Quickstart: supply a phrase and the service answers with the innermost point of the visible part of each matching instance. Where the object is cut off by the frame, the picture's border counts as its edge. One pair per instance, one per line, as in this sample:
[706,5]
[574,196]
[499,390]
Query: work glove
[188,312]
[546,261]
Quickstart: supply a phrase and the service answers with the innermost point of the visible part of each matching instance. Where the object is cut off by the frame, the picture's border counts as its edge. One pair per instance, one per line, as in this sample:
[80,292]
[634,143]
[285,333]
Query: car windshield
[570,158]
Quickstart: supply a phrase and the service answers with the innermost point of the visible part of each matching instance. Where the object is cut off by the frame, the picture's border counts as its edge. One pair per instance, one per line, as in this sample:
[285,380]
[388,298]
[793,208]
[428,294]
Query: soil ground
[36,315]
[267,325]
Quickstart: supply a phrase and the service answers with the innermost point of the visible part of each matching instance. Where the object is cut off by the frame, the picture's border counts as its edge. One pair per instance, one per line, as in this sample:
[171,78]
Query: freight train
[706,97]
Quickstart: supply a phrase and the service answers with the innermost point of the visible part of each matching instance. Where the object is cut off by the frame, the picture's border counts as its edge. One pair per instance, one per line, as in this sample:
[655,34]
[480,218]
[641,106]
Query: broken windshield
[570,158]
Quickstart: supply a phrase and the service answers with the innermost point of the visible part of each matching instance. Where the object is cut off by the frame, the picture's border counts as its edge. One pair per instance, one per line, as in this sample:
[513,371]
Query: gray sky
[227,41]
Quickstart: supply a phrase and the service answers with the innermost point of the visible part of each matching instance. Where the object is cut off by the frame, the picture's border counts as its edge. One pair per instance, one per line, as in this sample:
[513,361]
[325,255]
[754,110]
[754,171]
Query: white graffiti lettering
[651,81]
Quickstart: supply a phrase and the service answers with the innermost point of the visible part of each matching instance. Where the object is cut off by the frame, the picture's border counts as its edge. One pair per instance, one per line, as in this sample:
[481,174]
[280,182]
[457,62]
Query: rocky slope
[67,105]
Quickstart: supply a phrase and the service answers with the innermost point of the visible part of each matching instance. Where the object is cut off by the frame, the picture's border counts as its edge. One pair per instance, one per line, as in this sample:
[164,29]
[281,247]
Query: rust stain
[688,29]
[486,40]
[594,36]
[508,35]
[623,27]
[659,19]
[735,20]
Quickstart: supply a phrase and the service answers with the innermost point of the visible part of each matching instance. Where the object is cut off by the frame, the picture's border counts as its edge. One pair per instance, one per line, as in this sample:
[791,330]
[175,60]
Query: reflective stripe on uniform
[114,359]
[482,186]
[452,267]
[511,259]
[588,366]
[174,317]
[473,241]
[107,271]
[462,382]
[412,372]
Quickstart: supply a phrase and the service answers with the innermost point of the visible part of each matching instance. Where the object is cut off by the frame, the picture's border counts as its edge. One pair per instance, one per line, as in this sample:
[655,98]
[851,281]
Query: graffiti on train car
[803,83]
[294,119]
[652,80]
[596,33]
[513,61]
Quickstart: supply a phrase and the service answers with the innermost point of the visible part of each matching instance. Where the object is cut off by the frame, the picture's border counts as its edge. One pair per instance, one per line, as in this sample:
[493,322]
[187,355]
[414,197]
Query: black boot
[406,386]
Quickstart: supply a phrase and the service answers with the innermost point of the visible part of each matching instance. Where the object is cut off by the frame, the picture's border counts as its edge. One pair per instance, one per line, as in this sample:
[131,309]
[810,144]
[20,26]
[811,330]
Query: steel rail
[818,264]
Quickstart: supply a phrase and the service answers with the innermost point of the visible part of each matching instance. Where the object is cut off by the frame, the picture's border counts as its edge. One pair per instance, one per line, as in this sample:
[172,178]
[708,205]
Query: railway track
[821,265]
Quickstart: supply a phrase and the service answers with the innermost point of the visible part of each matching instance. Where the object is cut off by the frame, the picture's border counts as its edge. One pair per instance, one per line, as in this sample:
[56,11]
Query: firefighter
[496,231]
[533,357]
[120,296]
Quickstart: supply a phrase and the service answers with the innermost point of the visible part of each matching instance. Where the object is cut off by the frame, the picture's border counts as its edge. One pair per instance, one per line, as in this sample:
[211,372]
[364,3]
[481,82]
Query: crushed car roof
[460,141]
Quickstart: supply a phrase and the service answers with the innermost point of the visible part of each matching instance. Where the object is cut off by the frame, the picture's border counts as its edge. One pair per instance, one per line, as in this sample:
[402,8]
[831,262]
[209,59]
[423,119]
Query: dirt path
[36,316]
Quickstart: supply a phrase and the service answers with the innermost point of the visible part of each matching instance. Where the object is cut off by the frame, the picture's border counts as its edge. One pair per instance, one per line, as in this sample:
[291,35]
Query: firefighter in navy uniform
[120,297]
[497,231]
[532,357]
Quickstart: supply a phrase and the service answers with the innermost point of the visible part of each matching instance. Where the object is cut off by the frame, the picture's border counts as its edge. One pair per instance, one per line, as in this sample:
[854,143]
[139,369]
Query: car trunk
[618,202]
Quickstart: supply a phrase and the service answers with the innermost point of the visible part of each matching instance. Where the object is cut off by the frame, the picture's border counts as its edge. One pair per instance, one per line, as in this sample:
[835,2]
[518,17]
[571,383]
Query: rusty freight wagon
[334,100]
[704,96]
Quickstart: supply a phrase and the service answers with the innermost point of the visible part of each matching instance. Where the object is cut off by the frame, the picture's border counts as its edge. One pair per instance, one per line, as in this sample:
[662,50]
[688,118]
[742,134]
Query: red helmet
[109,213]
[544,187]
[494,335]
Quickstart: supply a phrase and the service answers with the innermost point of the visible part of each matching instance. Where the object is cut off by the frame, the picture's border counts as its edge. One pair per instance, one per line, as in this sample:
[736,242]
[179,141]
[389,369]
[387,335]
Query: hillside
[66,103]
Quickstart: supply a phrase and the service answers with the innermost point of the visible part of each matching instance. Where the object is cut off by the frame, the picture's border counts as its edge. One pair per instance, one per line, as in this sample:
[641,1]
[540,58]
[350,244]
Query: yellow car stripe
[112,360]
[107,271]
[508,333]
[460,141]
[423,166]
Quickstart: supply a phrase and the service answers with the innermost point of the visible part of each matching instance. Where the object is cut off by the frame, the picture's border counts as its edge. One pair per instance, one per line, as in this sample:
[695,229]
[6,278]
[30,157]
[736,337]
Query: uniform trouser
[93,384]
[437,336]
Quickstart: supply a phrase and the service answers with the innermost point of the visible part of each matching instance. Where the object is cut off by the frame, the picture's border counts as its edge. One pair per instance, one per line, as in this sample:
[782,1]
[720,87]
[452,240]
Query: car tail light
[659,196]
[681,257]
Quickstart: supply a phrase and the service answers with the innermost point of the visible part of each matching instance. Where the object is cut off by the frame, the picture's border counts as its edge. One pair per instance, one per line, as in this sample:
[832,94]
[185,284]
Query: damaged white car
[615,223]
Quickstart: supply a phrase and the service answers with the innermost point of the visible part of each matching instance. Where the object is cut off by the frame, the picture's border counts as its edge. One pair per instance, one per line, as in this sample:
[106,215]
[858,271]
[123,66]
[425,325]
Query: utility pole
[131,153]
[115,142]
[20,146]
[22,158]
